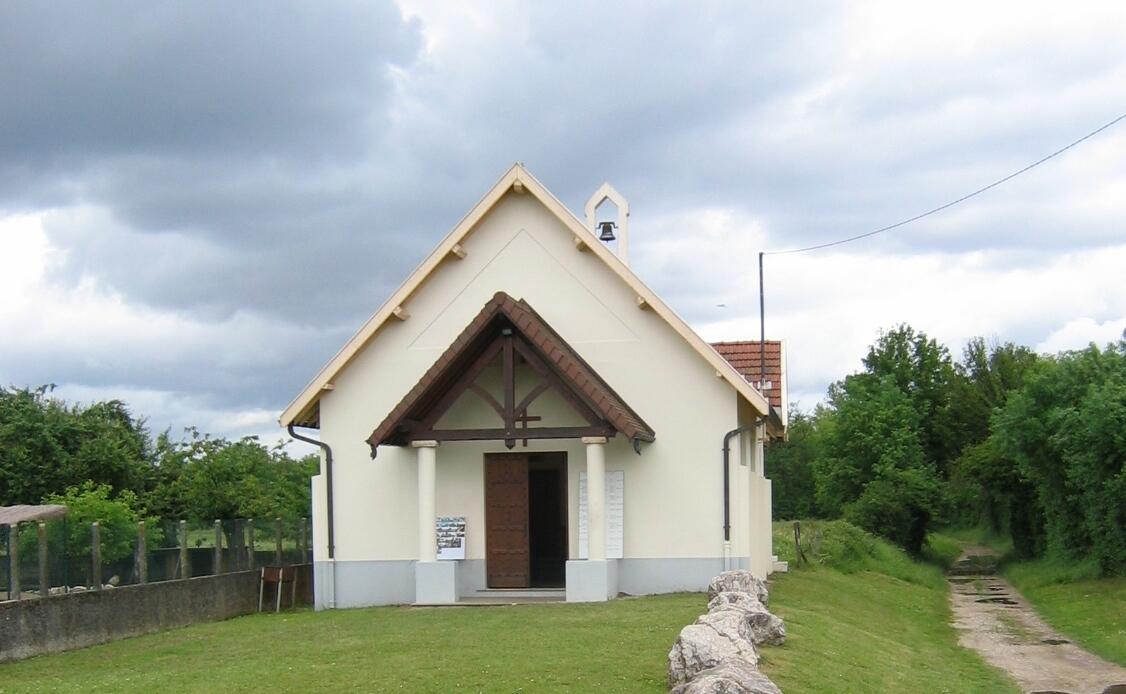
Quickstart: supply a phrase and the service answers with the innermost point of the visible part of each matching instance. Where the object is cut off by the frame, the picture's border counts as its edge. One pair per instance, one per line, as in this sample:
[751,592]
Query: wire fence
[59,556]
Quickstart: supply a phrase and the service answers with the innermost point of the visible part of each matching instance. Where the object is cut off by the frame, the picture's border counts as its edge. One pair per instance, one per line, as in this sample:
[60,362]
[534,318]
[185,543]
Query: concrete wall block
[77,620]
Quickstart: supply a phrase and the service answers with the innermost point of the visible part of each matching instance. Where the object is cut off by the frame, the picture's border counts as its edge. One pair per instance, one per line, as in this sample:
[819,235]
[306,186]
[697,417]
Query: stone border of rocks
[719,652]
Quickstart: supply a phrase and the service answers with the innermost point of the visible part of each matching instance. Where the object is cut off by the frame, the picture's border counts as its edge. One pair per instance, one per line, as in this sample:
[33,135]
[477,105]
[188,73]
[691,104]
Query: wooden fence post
[234,547]
[185,565]
[799,553]
[251,540]
[96,555]
[44,580]
[15,591]
[278,541]
[142,554]
[218,560]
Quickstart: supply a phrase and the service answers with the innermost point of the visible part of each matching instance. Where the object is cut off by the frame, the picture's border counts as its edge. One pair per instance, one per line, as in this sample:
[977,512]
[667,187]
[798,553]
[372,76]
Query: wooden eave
[303,411]
[506,319]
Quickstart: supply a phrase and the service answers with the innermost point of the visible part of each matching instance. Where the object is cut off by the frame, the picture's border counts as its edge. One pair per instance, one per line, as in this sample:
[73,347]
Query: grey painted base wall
[651,576]
[362,583]
[368,583]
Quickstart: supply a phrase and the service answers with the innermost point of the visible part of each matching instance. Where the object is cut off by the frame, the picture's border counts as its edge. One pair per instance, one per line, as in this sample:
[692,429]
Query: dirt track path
[994,620]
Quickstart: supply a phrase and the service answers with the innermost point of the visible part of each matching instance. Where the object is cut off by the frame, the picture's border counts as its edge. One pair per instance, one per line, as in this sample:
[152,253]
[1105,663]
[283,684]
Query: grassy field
[1092,611]
[618,646]
[863,618]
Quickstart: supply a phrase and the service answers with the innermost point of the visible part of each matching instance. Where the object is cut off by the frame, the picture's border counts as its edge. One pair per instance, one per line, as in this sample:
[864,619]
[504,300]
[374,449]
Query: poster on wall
[451,537]
[615,514]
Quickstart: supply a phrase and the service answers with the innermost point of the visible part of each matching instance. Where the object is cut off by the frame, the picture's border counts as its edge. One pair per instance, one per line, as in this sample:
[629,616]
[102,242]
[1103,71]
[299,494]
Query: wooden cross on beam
[522,419]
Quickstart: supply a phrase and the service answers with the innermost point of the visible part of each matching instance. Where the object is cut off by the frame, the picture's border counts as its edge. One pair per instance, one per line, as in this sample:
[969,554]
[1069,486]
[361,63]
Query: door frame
[546,459]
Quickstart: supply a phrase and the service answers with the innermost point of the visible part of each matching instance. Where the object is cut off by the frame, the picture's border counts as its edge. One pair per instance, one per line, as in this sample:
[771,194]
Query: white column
[427,493]
[596,497]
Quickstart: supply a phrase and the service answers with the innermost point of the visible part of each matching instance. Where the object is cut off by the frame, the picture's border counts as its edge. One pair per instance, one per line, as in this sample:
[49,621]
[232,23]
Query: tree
[47,446]
[789,465]
[1064,429]
[875,470]
[206,478]
[922,369]
[986,482]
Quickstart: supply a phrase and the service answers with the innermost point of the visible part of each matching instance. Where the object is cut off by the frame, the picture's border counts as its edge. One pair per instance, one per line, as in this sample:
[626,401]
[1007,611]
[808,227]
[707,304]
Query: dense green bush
[844,547]
[1066,430]
[1031,447]
[50,450]
[47,446]
[206,478]
[117,520]
[874,470]
[789,465]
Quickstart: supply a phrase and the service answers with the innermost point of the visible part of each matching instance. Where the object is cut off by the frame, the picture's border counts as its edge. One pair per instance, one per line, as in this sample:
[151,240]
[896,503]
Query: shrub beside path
[997,622]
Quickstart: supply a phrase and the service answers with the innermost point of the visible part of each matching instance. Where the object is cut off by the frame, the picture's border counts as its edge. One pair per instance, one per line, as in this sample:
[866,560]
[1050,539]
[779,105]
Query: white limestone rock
[704,645]
[761,627]
[731,676]
[739,582]
[732,598]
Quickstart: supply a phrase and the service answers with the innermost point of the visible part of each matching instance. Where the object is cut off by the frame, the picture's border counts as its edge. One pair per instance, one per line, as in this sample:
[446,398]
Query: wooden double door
[525,519]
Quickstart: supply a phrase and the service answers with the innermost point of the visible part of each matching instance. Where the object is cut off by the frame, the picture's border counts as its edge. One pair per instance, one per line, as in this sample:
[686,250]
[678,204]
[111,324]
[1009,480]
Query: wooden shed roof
[21,513]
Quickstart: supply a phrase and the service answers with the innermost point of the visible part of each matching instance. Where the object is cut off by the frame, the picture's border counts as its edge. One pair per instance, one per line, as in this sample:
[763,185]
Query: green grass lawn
[618,646]
[1092,611]
[869,632]
[864,618]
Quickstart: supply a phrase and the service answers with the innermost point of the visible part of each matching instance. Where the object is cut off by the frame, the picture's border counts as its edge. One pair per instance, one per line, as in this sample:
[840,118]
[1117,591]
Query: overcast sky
[200,202]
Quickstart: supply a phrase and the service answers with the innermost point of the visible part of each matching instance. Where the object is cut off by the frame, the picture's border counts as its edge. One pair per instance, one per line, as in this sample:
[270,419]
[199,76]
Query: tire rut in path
[997,622]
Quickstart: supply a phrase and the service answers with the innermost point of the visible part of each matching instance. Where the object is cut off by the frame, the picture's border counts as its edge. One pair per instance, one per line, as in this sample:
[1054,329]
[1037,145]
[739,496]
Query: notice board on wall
[451,537]
[615,514]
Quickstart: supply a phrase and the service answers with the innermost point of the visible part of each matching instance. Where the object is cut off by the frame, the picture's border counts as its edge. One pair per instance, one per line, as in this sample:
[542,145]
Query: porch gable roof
[543,348]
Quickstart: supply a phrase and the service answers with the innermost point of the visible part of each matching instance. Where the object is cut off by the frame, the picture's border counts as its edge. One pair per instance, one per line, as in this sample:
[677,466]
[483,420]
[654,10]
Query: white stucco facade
[673,500]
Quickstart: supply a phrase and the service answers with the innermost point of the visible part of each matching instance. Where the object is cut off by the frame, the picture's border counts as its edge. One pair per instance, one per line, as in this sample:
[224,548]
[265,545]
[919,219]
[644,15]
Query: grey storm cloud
[283,80]
[293,161]
[262,144]
[207,131]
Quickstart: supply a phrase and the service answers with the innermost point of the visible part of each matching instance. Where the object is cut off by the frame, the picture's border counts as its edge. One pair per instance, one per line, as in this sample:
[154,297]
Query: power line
[952,203]
[979,191]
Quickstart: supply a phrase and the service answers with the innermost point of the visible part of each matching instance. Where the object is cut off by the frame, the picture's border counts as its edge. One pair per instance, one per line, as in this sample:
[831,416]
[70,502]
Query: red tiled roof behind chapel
[744,356]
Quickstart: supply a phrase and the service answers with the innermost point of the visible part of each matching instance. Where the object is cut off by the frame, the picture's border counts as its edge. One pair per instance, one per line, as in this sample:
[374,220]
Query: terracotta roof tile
[744,355]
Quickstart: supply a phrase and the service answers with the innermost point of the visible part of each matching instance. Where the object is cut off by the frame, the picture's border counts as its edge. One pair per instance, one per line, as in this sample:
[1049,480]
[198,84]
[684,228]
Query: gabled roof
[744,355]
[304,410]
[568,372]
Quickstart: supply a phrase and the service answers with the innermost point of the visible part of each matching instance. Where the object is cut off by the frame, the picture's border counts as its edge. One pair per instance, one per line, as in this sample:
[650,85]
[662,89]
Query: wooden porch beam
[562,388]
[460,386]
[502,435]
[508,378]
[488,398]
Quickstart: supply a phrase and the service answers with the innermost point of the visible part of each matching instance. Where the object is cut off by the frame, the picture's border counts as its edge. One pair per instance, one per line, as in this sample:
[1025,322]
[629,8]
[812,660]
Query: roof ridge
[303,410]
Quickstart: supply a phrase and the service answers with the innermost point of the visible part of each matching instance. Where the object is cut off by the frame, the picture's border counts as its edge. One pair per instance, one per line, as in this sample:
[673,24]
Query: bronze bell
[607,231]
